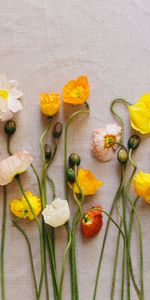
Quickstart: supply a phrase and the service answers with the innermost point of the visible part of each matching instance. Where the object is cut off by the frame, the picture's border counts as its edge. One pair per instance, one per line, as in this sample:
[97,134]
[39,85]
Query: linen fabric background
[43,44]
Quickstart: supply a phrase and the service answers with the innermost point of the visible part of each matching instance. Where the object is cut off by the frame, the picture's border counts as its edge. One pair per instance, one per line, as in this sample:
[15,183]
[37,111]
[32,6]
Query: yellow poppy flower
[140,114]
[88,182]
[49,104]
[21,209]
[76,91]
[142,185]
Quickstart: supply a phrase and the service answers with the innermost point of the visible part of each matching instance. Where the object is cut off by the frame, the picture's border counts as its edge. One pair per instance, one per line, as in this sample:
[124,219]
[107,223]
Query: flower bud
[57,130]
[74,159]
[10,127]
[133,142]
[47,151]
[71,175]
[122,155]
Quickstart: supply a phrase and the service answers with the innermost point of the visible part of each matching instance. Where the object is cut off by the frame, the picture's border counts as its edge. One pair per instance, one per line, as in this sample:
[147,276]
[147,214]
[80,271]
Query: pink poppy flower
[13,165]
[103,141]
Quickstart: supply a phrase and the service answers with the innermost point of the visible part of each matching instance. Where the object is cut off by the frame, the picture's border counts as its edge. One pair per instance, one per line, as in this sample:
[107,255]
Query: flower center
[4,94]
[77,92]
[109,141]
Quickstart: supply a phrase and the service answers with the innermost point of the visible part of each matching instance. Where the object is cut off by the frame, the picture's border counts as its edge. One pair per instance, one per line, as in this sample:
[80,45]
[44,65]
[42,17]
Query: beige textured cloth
[43,44]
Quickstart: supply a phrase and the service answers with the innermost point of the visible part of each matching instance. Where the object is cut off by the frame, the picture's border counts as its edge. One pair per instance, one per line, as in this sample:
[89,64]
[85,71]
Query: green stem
[3,243]
[52,185]
[44,235]
[70,119]
[30,255]
[40,232]
[74,277]
[42,139]
[106,233]
[123,272]
[64,261]
[127,246]
[133,212]
[37,178]
[74,291]
[53,265]
[114,102]
[8,144]
[115,264]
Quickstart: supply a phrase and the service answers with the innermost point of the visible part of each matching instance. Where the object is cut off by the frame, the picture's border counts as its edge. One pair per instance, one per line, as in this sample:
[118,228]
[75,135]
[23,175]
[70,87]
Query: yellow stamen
[4,94]
[77,92]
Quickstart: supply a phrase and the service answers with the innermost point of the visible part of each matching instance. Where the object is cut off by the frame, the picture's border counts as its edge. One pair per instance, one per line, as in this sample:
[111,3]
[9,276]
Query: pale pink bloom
[103,141]
[9,95]
[13,165]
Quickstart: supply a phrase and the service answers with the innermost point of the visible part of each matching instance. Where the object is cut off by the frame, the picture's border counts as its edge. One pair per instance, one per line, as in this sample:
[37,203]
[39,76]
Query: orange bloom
[76,91]
[49,104]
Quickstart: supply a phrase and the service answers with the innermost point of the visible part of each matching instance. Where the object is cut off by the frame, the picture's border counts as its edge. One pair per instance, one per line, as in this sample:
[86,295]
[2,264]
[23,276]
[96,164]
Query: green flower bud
[71,175]
[47,151]
[122,155]
[133,142]
[10,127]
[74,159]
[57,130]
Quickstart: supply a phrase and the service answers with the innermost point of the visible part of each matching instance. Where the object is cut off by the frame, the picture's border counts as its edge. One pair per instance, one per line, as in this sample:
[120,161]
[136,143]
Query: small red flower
[92,222]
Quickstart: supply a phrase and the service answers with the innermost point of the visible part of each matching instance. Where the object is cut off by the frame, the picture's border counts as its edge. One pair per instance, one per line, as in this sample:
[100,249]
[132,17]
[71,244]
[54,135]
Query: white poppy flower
[103,141]
[13,165]
[57,213]
[9,95]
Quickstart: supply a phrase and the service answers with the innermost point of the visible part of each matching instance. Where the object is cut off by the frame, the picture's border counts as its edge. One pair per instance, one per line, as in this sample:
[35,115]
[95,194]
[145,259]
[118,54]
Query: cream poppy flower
[103,141]
[57,213]
[13,165]
[9,95]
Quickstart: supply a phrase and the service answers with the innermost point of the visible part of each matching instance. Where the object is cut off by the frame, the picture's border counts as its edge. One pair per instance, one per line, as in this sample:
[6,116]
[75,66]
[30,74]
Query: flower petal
[14,105]
[57,213]
[13,165]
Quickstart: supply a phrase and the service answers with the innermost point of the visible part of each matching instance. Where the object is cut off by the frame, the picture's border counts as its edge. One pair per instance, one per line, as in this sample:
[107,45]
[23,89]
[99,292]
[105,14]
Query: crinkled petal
[14,105]
[57,213]
[113,129]
[13,165]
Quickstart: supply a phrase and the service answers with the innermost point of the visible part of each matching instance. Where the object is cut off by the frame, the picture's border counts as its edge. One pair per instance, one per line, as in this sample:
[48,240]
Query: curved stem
[40,232]
[64,261]
[42,139]
[3,243]
[114,102]
[38,179]
[52,185]
[30,255]
[8,144]
[70,119]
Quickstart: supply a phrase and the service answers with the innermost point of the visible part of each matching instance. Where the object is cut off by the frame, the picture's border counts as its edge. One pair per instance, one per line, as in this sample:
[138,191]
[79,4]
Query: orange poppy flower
[76,91]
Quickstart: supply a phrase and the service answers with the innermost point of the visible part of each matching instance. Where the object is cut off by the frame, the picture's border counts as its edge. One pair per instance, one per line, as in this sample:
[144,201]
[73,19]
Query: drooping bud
[47,151]
[122,155]
[74,159]
[71,175]
[10,127]
[57,130]
[133,142]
